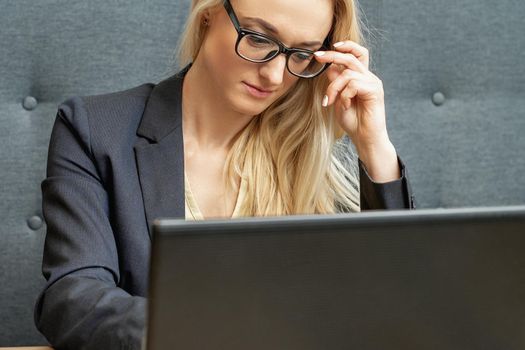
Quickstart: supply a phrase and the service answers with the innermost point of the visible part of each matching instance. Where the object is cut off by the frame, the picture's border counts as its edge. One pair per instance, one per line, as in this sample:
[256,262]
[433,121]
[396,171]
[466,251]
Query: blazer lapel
[160,154]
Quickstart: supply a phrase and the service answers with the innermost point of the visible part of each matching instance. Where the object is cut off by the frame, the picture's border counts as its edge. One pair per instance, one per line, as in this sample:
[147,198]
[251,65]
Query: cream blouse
[192,209]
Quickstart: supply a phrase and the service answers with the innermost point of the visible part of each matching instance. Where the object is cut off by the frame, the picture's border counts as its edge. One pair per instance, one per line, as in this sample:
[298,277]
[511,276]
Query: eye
[258,41]
[301,57]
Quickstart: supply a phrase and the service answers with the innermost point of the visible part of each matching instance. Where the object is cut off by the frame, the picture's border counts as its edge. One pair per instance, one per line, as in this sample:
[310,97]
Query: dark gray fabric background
[53,49]
[469,150]
[464,152]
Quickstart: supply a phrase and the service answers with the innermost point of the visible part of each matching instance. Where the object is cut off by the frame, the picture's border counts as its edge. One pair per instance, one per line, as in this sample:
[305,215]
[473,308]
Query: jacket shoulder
[110,107]
[106,119]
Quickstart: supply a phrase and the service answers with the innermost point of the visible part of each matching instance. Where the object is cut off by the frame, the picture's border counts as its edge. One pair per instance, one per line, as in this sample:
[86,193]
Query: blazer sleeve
[82,306]
[396,194]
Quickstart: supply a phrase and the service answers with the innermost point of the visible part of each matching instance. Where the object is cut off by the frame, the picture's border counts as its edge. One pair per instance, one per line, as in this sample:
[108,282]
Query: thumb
[332,72]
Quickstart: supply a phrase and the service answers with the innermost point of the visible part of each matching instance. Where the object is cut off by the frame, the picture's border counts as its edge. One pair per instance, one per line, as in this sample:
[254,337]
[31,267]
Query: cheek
[289,83]
[220,54]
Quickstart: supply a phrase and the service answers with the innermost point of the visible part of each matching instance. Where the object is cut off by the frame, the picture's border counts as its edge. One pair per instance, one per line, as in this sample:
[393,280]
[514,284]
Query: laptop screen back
[428,279]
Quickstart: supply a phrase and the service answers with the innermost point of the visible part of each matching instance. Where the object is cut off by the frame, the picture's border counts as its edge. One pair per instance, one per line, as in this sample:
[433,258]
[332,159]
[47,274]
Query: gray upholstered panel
[51,50]
[467,151]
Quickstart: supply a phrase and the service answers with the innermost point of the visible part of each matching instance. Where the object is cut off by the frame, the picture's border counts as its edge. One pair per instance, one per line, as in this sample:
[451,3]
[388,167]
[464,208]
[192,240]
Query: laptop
[425,279]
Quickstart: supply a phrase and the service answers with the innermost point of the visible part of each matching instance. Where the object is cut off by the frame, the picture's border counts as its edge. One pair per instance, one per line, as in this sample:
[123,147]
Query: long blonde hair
[291,154]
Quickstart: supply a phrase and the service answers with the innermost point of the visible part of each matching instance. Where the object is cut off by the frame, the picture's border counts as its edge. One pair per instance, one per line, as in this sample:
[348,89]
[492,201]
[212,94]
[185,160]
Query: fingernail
[319,53]
[337,44]
[325,101]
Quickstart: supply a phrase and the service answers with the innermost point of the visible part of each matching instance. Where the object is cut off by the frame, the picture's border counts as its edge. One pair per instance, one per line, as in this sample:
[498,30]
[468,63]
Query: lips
[257,91]
[259,88]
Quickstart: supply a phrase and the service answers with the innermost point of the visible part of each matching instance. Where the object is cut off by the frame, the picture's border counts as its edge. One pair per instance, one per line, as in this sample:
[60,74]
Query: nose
[273,71]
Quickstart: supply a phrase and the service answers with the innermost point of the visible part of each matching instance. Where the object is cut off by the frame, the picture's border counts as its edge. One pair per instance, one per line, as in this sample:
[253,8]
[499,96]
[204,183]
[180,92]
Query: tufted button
[30,103]
[438,98]
[34,222]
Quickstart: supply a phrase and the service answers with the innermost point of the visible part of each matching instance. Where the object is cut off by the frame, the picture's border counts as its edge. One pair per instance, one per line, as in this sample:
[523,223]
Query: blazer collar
[163,111]
[159,152]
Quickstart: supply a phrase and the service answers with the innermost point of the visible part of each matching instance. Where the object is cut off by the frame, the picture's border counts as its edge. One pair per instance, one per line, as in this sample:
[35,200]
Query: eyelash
[257,29]
[262,31]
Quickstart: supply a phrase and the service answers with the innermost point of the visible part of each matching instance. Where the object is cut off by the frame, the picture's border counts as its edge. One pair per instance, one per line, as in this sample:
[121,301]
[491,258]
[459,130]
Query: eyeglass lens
[260,49]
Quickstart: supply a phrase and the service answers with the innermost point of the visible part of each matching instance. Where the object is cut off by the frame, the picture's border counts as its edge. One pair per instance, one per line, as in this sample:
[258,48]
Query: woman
[244,129]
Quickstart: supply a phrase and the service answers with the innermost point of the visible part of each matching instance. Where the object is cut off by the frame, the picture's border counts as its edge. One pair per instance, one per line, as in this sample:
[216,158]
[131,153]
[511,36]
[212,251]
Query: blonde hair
[292,153]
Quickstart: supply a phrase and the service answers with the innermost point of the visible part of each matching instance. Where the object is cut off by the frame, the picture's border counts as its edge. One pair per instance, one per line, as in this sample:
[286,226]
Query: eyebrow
[269,27]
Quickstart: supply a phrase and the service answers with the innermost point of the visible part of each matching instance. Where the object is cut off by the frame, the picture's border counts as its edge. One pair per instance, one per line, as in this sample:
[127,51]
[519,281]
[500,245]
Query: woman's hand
[360,108]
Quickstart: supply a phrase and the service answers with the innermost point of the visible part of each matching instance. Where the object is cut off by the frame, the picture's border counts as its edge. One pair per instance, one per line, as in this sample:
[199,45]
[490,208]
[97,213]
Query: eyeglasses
[259,48]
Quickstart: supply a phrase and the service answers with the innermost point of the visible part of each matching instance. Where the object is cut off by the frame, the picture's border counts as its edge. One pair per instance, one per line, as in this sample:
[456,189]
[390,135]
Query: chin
[251,109]
[244,104]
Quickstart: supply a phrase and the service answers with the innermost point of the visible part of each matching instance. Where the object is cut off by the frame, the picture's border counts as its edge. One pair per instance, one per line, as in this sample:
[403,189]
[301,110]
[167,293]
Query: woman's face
[294,22]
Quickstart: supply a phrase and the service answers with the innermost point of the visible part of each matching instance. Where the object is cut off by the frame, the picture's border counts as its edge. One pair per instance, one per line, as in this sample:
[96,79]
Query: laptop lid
[426,279]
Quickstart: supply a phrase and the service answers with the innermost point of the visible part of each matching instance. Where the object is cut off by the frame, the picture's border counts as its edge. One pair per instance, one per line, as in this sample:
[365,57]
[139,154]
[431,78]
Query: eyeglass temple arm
[231,13]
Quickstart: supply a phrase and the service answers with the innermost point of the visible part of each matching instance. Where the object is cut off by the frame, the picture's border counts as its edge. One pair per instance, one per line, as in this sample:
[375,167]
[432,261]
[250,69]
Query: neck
[209,123]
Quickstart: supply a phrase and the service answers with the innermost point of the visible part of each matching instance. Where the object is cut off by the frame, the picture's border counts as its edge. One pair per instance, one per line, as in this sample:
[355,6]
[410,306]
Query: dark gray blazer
[115,164]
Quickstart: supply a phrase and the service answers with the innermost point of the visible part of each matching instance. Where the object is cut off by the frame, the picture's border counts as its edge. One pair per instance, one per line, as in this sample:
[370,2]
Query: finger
[365,89]
[348,93]
[339,84]
[334,71]
[345,59]
[360,52]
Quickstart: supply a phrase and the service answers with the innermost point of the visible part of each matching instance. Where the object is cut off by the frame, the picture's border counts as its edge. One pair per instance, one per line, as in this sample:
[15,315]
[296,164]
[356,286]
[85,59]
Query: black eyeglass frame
[288,51]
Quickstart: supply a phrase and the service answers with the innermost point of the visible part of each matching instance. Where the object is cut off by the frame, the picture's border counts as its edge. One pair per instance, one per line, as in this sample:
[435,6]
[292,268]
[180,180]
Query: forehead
[295,20]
